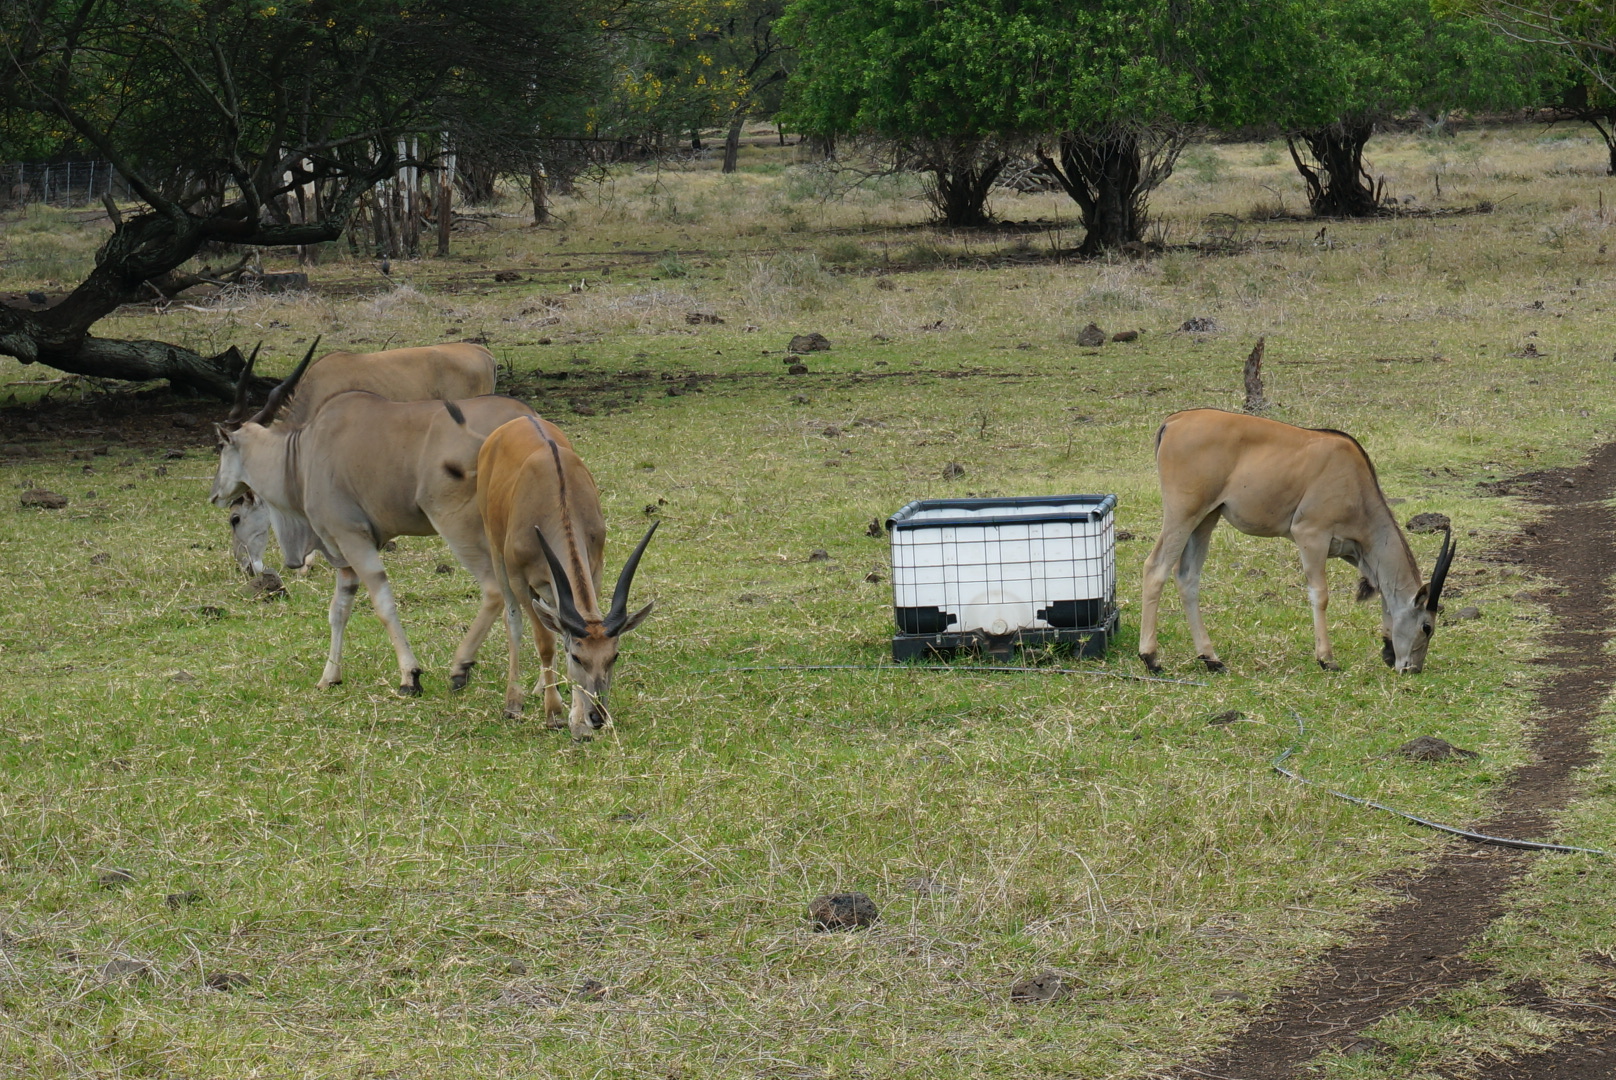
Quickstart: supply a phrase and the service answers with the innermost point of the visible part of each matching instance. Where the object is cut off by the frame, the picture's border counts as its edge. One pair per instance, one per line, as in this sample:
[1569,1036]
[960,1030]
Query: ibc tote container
[994,573]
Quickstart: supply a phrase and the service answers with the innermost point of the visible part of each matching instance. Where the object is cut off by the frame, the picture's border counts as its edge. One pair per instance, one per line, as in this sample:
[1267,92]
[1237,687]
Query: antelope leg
[1315,552]
[1176,531]
[342,601]
[369,567]
[1189,589]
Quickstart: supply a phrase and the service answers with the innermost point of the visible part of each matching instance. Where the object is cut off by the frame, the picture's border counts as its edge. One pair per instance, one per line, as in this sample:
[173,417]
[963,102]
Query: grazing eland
[1315,486]
[442,372]
[361,471]
[547,542]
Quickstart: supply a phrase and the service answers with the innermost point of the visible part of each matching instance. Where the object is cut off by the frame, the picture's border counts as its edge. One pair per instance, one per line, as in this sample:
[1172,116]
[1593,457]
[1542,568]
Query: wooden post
[1255,402]
[540,183]
[732,142]
[445,198]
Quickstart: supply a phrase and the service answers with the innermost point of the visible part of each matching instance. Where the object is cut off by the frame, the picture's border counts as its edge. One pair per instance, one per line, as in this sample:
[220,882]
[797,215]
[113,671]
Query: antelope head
[1407,625]
[230,482]
[590,643]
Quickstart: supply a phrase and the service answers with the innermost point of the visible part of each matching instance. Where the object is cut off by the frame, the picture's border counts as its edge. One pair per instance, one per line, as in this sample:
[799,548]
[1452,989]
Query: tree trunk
[475,179]
[142,249]
[445,213]
[961,193]
[1338,185]
[537,181]
[732,142]
[1110,176]
[1609,135]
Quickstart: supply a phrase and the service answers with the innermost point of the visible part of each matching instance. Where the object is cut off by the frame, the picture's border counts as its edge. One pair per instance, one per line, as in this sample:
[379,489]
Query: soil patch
[1417,949]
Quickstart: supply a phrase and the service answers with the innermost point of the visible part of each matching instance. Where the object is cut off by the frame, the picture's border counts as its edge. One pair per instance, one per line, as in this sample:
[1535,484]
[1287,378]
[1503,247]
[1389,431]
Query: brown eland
[1315,486]
[361,471]
[547,542]
[443,372]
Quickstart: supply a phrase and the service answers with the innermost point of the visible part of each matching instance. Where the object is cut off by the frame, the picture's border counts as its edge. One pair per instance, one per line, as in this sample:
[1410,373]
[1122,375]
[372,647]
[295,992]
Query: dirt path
[1417,949]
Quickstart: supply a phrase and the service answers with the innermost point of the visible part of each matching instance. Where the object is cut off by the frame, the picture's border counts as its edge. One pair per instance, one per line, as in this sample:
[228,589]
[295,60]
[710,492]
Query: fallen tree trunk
[138,259]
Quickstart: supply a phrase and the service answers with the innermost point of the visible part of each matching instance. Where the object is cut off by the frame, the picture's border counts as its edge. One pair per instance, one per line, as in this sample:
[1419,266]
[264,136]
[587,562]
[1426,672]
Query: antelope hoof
[1149,660]
[1329,665]
[459,679]
[324,684]
[411,688]
[1213,664]
[556,721]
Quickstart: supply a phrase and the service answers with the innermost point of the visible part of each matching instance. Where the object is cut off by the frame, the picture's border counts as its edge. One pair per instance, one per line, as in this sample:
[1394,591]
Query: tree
[1107,90]
[1583,35]
[701,64]
[218,114]
[1376,59]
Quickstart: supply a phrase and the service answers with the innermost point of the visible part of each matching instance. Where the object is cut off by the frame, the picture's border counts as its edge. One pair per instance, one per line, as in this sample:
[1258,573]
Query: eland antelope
[361,471]
[1315,486]
[443,372]
[547,541]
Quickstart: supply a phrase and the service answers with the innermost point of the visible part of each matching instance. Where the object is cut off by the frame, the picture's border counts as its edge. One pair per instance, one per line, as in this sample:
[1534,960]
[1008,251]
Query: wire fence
[59,183]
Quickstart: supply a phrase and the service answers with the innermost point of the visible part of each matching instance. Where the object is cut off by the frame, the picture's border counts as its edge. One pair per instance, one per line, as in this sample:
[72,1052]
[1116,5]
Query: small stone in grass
[100,558]
[831,431]
[1038,988]
[267,586]
[514,966]
[1228,716]
[1465,614]
[842,911]
[1124,534]
[182,676]
[1428,523]
[443,568]
[873,528]
[225,981]
[591,990]
[797,369]
[1125,335]
[1363,1044]
[177,900]
[819,555]
[953,471]
[115,879]
[807,343]
[124,970]
[1431,748]
[44,500]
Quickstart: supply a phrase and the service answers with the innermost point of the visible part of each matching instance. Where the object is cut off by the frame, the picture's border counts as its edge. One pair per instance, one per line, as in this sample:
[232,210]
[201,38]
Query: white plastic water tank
[1003,564]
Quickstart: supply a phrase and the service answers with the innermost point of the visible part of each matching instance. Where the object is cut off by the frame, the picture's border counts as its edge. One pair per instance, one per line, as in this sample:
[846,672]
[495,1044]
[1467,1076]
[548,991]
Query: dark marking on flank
[454,413]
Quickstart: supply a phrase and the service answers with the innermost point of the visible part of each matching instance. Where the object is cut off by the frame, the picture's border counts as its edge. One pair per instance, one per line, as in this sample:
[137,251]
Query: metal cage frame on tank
[992,575]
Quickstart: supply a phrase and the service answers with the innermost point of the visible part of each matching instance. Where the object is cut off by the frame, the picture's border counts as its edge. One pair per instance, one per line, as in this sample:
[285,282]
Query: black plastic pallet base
[1085,641]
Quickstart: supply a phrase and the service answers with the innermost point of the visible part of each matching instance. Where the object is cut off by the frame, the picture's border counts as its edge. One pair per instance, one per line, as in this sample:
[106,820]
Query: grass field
[420,888]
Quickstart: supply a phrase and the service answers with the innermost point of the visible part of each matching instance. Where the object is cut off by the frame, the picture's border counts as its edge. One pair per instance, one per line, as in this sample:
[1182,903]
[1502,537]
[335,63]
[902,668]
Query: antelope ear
[547,617]
[637,618]
[1421,598]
